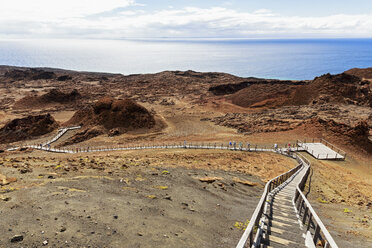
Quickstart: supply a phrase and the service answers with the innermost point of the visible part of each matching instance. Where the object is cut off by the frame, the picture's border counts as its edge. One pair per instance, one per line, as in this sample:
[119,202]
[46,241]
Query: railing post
[298,204]
[305,214]
[316,234]
[310,217]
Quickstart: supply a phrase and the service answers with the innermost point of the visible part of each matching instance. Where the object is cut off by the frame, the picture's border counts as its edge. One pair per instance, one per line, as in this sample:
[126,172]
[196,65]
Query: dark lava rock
[25,128]
[16,238]
[64,78]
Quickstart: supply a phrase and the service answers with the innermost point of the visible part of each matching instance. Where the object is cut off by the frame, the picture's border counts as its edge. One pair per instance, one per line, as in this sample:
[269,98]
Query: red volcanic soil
[361,73]
[111,113]
[342,88]
[53,96]
[29,74]
[259,95]
[26,128]
[110,116]
[340,133]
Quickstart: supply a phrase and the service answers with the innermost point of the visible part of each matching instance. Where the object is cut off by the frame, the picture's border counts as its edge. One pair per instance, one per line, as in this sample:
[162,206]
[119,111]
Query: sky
[132,19]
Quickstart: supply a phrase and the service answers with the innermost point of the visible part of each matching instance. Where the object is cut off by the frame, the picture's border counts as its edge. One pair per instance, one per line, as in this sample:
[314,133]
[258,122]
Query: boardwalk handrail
[60,133]
[309,216]
[340,151]
[321,155]
[326,143]
[247,238]
[222,146]
[300,200]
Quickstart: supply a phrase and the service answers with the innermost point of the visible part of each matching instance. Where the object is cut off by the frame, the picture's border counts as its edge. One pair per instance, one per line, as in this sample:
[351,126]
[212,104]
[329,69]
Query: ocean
[295,59]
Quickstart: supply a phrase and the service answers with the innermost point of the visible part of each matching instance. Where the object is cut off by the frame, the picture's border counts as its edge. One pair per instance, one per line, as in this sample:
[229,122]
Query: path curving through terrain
[283,216]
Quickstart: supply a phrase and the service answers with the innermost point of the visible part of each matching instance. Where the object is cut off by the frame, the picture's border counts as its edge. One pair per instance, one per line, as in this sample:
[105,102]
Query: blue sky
[120,19]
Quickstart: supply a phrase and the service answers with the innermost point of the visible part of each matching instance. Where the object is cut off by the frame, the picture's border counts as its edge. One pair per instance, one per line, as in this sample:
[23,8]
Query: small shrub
[241,225]
[322,201]
[346,210]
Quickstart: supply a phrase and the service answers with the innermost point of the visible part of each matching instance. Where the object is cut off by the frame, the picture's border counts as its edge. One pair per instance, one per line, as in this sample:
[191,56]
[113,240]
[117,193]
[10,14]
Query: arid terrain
[174,198]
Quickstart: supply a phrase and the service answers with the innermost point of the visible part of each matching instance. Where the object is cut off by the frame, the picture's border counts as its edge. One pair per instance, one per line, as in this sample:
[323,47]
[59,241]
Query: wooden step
[281,205]
[281,224]
[271,240]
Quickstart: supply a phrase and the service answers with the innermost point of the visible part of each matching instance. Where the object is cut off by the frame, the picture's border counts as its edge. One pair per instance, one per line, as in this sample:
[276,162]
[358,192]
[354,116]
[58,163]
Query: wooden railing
[316,231]
[333,147]
[200,145]
[340,154]
[247,239]
[60,133]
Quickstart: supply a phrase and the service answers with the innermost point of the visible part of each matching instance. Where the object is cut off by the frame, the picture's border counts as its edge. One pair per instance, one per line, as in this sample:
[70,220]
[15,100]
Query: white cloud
[263,12]
[76,19]
[49,10]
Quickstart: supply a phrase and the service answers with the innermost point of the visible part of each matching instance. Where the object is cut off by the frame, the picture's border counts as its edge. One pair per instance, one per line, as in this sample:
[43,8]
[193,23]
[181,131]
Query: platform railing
[249,237]
[60,133]
[315,229]
[340,154]
[333,147]
[247,240]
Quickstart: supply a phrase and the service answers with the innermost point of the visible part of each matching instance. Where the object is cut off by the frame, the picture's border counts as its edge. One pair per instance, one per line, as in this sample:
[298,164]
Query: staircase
[282,227]
[284,217]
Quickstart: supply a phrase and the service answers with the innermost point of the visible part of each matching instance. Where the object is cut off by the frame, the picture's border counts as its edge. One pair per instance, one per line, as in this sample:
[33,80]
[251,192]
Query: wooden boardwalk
[282,226]
[283,211]
[321,151]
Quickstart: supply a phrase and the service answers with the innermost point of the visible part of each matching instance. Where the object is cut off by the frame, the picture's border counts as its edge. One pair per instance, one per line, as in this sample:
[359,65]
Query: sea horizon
[287,58]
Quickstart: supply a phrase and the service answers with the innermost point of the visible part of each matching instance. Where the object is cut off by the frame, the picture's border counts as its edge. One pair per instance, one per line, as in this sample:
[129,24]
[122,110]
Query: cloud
[53,10]
[111,19]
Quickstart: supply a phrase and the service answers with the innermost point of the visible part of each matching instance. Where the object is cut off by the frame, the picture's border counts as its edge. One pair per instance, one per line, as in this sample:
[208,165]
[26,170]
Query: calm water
[284,59]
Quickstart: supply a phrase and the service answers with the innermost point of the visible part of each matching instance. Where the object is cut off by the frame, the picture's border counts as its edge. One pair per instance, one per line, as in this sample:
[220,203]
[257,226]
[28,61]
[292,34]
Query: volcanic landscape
[179,197]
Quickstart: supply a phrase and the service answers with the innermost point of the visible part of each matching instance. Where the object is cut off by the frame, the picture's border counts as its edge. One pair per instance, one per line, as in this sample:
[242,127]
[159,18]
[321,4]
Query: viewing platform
[322,150]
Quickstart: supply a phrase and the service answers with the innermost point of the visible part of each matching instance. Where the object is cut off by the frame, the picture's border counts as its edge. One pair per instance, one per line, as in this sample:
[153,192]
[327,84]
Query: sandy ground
[132,199]
[340,192]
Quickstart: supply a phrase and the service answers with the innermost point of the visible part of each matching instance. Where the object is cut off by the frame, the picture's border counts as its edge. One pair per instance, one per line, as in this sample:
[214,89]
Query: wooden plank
[295,221]
[280,224]
[282,241]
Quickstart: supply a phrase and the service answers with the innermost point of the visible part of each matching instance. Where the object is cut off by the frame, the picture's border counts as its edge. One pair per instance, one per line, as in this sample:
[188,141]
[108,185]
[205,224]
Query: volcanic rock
[64,78]
[110,116]
[28,127]
[111,113]
[53,96]
[29,74]
[16,238]
[365,73]
[342,88]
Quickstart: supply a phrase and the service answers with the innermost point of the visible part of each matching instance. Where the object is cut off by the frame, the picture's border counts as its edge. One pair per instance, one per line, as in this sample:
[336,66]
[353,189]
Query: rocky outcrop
[29,74]
[112,117]
[342,88]
[54,96]
[365,73]
[27,128]
[111,113]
